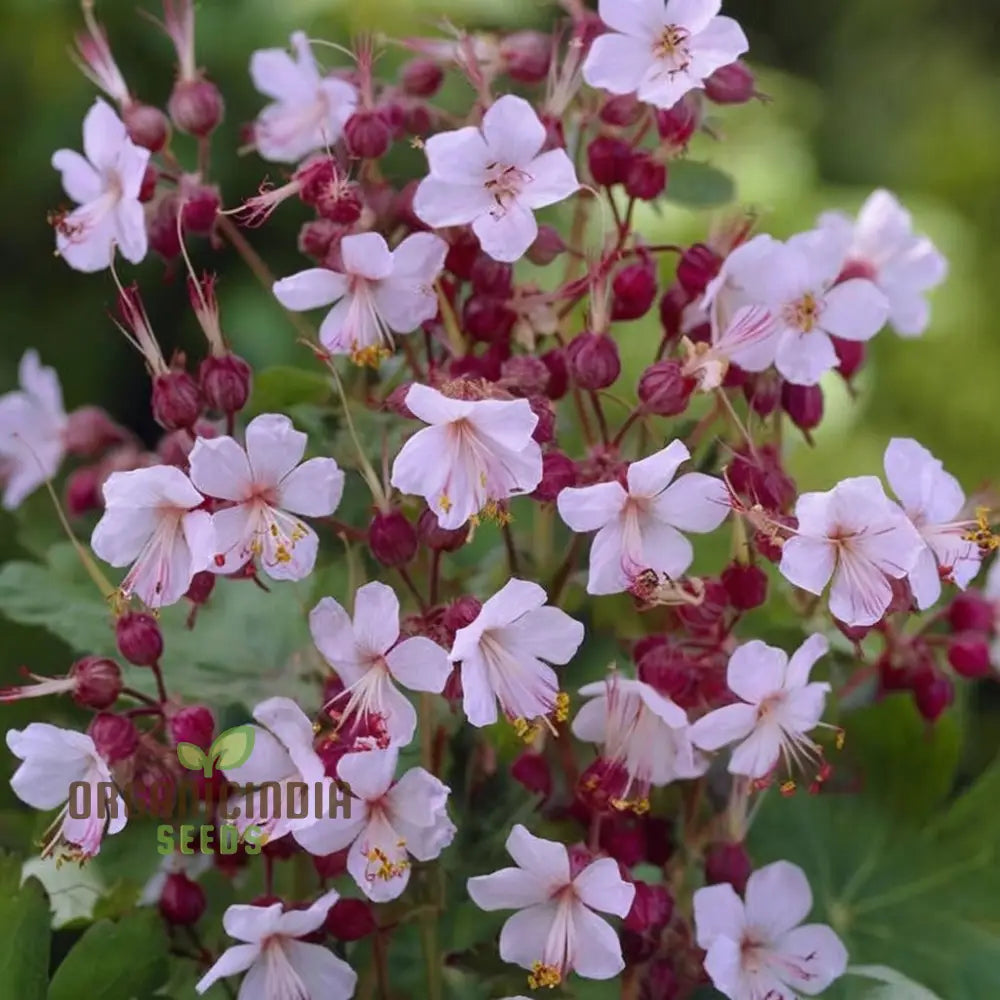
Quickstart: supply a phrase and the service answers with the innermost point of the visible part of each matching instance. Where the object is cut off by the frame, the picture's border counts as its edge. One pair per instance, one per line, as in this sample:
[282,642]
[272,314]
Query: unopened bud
[678,124]
[82,493]
[97,682]
[745,585]
[634,291]
[162,229]
[392,539]
[850,356]
[460,613]
[114,736]
[803,404]
[200,205]
[729,864]
[524,375]
[491,277]
[176,400]
[969,655]
[547,247]
[139,638]
[182,901]
[558,384]
[463,253]
[933,694]
[488,319]
[545,429]
[652,908]
[622,110]
[317,236]
[704,619]
[350,920]
[593,360]
[558,473]
[646,178]
[609,160]
[90,431]
[672,305]
[532,771]
[665,390]
[698,266]
[421,77]
[225,382]
[763,392]
[440,539]
[146,126]
[193,724]
[732,84]
[526,56]
[368,135]
[196,107]
[150,178]
[971,612]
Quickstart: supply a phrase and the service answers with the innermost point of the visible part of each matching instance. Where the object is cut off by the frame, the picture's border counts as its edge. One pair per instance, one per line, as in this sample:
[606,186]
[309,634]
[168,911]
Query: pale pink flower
[556,930]
[933,500]
[269,485]
[798,282]
[883,246]
[495,178]
[389,822]
[33,426]
[505,654]
[661,51]
[381,292]
[640,528]
[369,657]
[53,759]
[640,730]
[277,964]
[475,454]
[105,184]
[151,521]
[757,949]
[748,340]
[779,708]
[309,110]
[855,534]
[283,753]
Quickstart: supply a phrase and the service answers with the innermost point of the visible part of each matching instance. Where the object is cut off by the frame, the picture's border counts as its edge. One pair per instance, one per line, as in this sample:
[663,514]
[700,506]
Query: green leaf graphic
[193,757]
[233,747]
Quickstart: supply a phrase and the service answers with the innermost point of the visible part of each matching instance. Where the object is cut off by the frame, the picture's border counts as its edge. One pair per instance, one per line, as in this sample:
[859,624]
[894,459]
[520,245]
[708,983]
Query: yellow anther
[369,357]
[384,869]
[982,534]
[444,502]
[562,707]
[544,976]
[840,739]
[788,788]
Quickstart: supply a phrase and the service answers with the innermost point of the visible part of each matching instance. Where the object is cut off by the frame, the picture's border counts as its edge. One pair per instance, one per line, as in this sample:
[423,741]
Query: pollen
[379,866]
[787,788]
[804,314]
[370,357]
[562,707]
[544,976]
[495,512]
[444,502]
[671,43]
[982,534]
[638,806]
[525,730]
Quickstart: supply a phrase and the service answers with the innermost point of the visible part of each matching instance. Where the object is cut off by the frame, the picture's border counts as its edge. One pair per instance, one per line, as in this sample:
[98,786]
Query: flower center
[671,46]
[504,182]
[804,314]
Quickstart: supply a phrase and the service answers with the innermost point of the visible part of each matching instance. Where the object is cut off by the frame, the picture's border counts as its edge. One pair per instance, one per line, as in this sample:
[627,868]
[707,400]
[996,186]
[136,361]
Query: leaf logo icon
[230,749]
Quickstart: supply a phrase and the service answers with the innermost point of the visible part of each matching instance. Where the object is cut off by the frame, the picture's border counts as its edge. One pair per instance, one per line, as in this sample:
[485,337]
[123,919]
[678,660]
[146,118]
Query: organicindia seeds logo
[221,815]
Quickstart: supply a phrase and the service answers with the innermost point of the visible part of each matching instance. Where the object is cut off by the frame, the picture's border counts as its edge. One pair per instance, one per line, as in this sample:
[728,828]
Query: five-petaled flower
[267,487]
[380,292]
[556,930]
[105,184]
[757,948]
[494,178]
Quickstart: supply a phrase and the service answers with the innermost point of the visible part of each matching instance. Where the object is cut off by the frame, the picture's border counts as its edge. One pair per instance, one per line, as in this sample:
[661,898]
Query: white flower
[32,431]
[748,340]
[475,454]
[268,484]
[640,730]
[933,501]
[277,965]
[779,708]
[640,528]
[150,521]
[883,246]
[105,184]
[389,822]
[283,753]
[505,652]
[381,292]
[556,930]
[53,759]
[798,282]
[661,51]
[309,110]
[756,949]
[368,657]
[855,534]
[494,178]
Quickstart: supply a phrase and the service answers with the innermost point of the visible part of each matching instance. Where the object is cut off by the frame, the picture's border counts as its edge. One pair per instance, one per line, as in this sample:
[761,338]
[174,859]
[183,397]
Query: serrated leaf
[25,940]
[233,747]
[699,185]
[893,985]
[114,961]
[192,756]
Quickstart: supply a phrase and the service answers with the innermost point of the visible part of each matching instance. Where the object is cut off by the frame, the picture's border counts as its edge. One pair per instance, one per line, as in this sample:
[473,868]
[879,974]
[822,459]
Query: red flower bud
[225,382]
[491,277]
[745,585]
[462,254]
[460,613]
[547,247]
[350,920]
[318,236]
[330,865]
[609,160]
[969,655]
[440,539]
[804,404]
[139,638]
[558,385]
[763,392]
[621,111]
[421,77]
[634,290]
[524,375]
[676,125]
[697,267]
[971,612]
[545,429]
[392,539]
[90,431]
[162,229]
[646,178]
[672,305]
[200,205]
[193,724]
[850,356]
[176,400]
[368,135]
[933,693]
[196,107]
[703,619]
[728,863]
[147,126]
[665,390]
[558,472]
[182,901]
[532,771]
[593,360]
[652,908]
[147,189]
[488,319]
[202,585]
[732,84]
[340,203]
[82,493]
[114,736]
[526,56]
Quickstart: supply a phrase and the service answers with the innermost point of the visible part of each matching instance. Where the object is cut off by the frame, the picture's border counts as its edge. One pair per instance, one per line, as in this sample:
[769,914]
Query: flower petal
[617,63]
[369,774]
[601,887]
[376,618]
[321,972]
[718,912]
[778,898]
[597,953]
[104,136]
[523,936]
[366,255]
[587,508]
[507,889]
[855,310]
[314,488]
[804,659]
[547,860]
[513,131]
[553,179]
[756,671]
[652,475]
[219,468]
[804,358]
[507,235]
[274,448]
[811,958]
[757,755]
[439,202]
[695,502]
[640,18]
[310,289]
[725,725]
[420,664]
[233,960]
[79,179]
[860,593]
[808,562]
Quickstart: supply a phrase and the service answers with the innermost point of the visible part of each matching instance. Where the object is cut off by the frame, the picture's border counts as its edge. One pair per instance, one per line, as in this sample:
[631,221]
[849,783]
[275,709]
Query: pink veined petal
[750,339]
[346,327]
[418,798]
[664,708]
[439,202]
[367,255]
[597,953]
[232,961]
[513,132]
[695,502]
[151,488]
[552,634]
[723,726]
[506,235]
[618,63]
[553,178]
[804,358]
[219,468]
[778,898]
[310,289]
[422,467]
[404,305]
[234,531]
[297,923]
[925,580]
[665,89]
[810,958]
[313,489]
[425,843]
[479,701]
[130,231]
[601,887]
[289,546]
[420,664]
[459,157]
[274,448]
[523,937]
[803,707]
[378,836]
[641,18]
[588,508]
[547,860]
[400,715]
[756,756]
[724,965]
[651,476]
[808,562]
[376,618]
[891,543]
[718,913]
[514,599]
[607,556]
[79,179]
[506,423]
[756,670]
[434,407]
[199,534]
[855,310]
[860,593]
[321,972]
[507,889]
[369,774]
[89,247]
[961,558]
[104,136]
[695,15]
[420,258]
[804,659]
[121,533]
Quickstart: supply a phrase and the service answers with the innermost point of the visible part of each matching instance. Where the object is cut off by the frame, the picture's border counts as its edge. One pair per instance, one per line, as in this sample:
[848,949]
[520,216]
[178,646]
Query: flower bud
[341,203]
[558,472]
[421,77]
[182,901]
[193,724]
[462,254]
[526,56]
[763,392]
[460,613]
[971,612]
[199,207]
[524,375]
[162,229]
[933,693]
[487,319]
[703,619]
[437,538]
[97,682]
[665,390]
[728,863]
[196,107]
[82,493]
[624,840]
[745,585]
[139,638]
[609,160]
[732,84]
[532,770]
[804,404]
[350,920]
[90,431]
[491,277]
[652,908]
[697,267]
[317,236]
[368,135]
[330,865]
[678,124]
[672,305]
[759,476]
[547,247]
[147,188]
[114,736]
[969,655]
[146,126]
[851,356]
[225,382]
[621,110]
[558,384]
[634,291]
[392,539]
[545,429]
[593,360]
[646,178]
[176,400]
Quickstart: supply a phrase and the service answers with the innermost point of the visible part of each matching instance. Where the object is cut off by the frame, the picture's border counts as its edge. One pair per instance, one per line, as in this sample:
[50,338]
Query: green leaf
[192,756]
[26,939]
[699,185]
[114,961]
[277,389]
[894,985]
[233,747]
